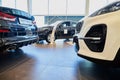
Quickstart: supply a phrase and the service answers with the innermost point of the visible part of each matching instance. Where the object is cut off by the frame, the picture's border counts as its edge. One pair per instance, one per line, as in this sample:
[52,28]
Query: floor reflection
[12,59]
[92,71]
[52,62]
[57,44]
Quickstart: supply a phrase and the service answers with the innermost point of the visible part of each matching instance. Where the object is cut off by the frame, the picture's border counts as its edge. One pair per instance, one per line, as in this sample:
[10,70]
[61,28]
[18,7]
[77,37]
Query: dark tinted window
[17,12]
[5,10]
[65,24]
[21,13]
[73,24]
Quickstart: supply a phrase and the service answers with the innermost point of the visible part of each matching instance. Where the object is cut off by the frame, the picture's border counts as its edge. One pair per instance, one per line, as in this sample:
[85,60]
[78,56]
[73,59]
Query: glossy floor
[52,62]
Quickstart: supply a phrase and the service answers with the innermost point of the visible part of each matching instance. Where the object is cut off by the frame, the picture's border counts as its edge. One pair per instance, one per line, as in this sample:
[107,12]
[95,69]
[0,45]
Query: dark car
[62,30]
[17,28]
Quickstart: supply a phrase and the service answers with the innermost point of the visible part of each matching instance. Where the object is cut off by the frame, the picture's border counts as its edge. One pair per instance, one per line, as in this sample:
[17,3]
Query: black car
[62,30]
[17,28]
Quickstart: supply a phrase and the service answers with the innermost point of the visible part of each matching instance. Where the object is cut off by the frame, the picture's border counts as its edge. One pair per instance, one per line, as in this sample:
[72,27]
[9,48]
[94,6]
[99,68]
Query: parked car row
[96,36]
[18,28]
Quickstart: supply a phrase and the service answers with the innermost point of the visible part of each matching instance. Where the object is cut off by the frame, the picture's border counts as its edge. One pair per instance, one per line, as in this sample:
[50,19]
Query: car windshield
[21,13]
[55,23]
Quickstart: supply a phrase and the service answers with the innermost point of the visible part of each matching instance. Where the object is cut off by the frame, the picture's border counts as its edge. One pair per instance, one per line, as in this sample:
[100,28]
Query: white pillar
[29,4]
[107,1]
[66,9]
[87,7]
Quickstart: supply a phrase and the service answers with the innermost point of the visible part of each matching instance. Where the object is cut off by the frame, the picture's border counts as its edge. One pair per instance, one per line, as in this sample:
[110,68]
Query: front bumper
[75,40]
[42,36]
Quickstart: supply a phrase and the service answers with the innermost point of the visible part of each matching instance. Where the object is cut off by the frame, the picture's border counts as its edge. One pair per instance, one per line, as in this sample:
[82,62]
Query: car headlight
[110,8]
[79,26]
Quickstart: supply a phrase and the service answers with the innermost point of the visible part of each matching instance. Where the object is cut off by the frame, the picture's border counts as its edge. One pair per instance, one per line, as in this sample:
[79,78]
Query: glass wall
[57,8]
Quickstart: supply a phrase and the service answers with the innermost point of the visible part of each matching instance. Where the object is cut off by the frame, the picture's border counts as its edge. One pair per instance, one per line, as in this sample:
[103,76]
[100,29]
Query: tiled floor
[52,62]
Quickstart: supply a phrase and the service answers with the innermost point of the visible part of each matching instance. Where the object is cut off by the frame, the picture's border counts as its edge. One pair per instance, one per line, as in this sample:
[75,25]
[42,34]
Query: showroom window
[50,11]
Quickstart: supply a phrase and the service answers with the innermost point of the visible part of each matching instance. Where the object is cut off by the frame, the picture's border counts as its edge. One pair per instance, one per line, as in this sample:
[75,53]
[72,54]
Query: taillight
[4,30]
[8,17]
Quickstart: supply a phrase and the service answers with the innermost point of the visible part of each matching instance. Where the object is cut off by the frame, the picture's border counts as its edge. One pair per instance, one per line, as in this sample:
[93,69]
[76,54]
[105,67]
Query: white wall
[55,7]
[58,7]
[8,3]
[39,20]
[22,5]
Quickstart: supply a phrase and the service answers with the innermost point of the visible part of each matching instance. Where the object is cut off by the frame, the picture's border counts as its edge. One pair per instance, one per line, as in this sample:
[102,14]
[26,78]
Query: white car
[99,37]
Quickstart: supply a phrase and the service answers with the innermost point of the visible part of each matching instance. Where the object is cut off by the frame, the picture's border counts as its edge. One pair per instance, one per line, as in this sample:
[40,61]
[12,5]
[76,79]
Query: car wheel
[48,37]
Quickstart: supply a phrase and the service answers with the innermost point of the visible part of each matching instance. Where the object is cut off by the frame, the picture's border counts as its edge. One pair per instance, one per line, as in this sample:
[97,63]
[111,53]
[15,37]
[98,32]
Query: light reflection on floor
[52,62]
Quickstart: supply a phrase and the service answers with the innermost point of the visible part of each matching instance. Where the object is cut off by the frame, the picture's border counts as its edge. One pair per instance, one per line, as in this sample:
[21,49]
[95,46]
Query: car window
[21,13]
[6,10]
[16,12]
[73,24]
[65,24]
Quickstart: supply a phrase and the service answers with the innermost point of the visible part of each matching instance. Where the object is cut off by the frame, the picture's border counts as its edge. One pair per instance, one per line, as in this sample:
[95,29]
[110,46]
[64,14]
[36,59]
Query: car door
[64,29]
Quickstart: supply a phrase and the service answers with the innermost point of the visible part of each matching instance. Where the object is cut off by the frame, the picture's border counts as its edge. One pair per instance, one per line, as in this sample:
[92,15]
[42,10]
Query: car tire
[48,37]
